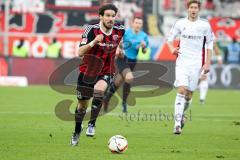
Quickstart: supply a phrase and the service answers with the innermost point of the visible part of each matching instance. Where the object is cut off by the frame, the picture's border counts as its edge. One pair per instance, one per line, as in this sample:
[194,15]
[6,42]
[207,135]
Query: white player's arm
[85,48]
[173,50]
[207,64]
[209,46]
[175,31]
[209,57]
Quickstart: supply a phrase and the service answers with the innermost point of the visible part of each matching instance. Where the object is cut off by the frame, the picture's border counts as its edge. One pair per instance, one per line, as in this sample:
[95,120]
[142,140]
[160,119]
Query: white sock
[187,104]
[179,107]
[203,88]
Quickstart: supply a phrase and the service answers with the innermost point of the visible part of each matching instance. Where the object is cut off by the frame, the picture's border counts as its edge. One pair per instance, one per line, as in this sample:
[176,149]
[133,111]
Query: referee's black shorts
[123,63]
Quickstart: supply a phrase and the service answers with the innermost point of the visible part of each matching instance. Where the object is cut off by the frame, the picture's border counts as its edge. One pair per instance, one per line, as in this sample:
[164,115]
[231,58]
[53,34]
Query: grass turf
[30,130]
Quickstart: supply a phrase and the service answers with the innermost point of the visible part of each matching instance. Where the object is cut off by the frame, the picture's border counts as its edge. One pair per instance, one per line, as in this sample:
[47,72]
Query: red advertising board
[38,29]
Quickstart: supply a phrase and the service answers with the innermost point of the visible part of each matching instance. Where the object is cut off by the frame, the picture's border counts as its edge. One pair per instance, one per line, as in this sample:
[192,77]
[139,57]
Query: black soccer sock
[126,91]
[112,89]
[96,107]
[79,115]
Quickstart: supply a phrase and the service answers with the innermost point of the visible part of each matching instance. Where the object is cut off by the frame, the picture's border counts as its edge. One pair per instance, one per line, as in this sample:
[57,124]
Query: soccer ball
[117,144]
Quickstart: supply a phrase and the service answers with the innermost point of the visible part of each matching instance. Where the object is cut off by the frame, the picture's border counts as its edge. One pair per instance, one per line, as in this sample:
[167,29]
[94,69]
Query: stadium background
[38,22]
[29,124]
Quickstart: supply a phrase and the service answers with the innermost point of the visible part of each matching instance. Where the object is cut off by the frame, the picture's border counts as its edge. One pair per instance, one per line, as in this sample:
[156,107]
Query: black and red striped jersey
[100,59]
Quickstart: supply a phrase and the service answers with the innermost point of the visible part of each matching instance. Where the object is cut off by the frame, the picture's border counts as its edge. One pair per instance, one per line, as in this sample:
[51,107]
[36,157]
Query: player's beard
[107,27]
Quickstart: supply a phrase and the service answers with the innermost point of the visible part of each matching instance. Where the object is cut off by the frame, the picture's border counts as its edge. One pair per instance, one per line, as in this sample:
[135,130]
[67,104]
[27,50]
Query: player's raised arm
[88,41]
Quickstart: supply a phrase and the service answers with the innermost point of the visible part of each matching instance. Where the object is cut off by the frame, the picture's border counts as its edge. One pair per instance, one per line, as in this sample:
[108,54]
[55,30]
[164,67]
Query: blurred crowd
[209,7]
[158,16]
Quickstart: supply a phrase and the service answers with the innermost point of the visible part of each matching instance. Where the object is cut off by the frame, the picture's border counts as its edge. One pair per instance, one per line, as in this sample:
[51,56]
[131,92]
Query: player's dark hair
[194,1]
[105,7]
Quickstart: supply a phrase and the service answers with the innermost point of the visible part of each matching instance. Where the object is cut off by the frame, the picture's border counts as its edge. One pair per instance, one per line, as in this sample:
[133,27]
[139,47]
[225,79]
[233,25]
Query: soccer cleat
[90,130]
[75,139]
[124,107]
[177,130]
[202,101]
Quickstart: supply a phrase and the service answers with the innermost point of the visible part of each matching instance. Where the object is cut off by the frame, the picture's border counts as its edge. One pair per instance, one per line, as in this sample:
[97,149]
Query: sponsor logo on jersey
[192,37]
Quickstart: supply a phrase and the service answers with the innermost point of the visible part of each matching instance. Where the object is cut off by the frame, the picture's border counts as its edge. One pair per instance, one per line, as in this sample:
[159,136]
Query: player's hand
[119,52]
[175,51]
[143,44]
[144,50]
[98,38]
[205,68]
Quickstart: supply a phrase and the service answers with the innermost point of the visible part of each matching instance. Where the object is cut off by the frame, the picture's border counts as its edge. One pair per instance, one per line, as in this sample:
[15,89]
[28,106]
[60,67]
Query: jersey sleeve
[122,28]
[87,36]
[209,38]
[174,32]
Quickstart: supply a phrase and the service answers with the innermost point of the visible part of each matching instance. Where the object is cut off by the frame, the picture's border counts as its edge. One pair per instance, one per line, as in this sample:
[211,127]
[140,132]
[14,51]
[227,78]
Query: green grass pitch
[30,130]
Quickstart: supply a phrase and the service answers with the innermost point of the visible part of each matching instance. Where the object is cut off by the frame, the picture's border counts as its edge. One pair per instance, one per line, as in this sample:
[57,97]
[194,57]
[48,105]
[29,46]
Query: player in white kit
[203,81]
[195,35]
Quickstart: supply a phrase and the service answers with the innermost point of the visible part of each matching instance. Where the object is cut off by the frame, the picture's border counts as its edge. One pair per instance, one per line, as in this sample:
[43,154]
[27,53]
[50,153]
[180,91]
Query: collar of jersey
[193,21]
[108,34]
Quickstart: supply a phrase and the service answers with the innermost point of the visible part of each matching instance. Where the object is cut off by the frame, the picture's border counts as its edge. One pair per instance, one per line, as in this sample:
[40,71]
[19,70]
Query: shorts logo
[79,95]
[105,77]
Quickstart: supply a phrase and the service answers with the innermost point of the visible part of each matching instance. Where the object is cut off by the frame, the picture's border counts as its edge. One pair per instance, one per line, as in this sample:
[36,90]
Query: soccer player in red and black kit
[98,47]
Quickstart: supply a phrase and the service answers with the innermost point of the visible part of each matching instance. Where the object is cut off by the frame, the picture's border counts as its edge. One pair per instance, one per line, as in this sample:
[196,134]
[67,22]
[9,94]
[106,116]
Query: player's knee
[117,83]
[188,95]
[100,88]
[98,93]
[129,77]
[182,90]
[118,80]
[82,104]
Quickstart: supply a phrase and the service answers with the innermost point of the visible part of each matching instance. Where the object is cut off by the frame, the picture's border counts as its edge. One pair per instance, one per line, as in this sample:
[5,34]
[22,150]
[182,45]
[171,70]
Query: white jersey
[195,37]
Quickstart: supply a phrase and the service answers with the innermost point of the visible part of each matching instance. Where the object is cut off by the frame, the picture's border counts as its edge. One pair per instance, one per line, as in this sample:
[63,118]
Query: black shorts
[85,85]
[123,63]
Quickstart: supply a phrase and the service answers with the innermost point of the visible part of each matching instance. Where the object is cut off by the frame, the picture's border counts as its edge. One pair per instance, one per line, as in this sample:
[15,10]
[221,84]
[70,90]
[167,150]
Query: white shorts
[188,77]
